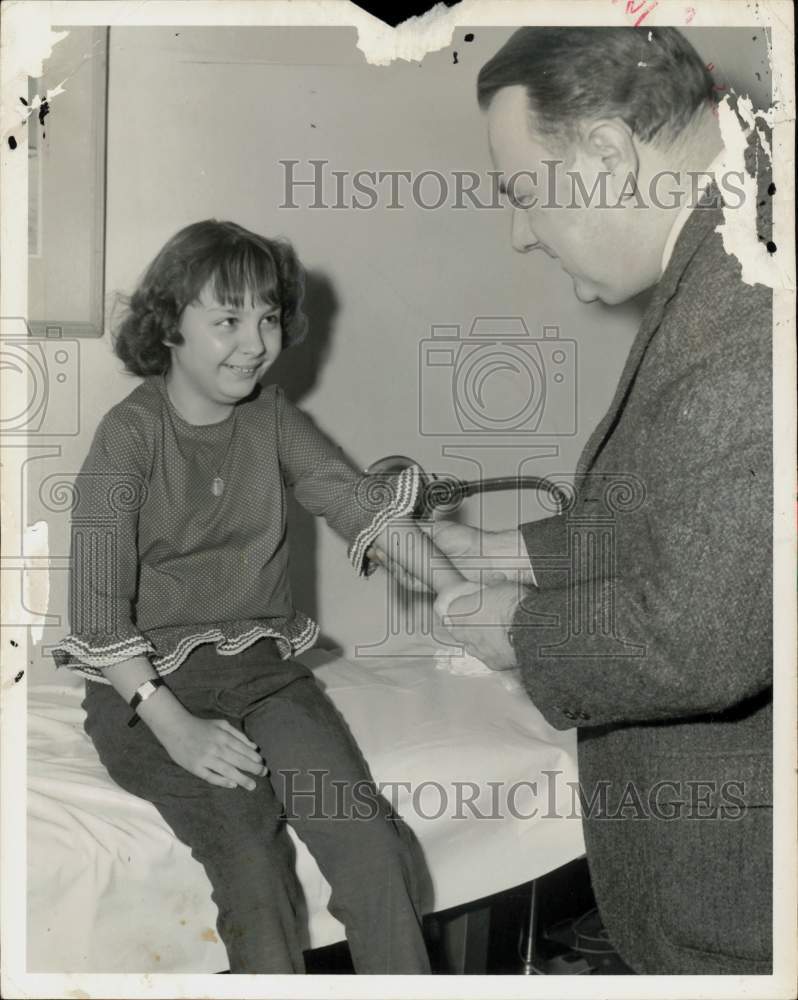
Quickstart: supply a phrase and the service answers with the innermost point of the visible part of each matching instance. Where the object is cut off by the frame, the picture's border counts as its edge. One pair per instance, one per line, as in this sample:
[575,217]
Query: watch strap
[142,693]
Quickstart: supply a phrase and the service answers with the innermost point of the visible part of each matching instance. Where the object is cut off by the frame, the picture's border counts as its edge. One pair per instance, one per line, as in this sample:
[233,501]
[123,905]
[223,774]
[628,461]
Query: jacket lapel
[702,221]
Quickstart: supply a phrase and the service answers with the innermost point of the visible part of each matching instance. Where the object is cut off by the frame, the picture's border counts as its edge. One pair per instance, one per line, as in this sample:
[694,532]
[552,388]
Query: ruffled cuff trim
[401,502]
[90,658]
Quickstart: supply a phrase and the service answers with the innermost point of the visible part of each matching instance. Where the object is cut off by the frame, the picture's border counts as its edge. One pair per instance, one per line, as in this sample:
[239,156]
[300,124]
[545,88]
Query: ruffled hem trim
[403,503]
[289,643]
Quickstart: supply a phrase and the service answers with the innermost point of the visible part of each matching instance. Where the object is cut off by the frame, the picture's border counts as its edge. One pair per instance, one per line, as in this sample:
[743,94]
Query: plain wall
[198,121]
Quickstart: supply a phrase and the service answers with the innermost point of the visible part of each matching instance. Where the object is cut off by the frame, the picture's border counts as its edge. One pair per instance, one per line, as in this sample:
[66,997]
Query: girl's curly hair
[237,263]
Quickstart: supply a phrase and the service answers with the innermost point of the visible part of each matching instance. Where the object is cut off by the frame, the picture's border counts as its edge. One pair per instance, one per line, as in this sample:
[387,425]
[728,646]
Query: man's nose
[522,237]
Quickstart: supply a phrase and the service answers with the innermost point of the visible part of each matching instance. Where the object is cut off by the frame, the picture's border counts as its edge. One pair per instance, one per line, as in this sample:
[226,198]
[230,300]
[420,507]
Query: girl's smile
[241,370]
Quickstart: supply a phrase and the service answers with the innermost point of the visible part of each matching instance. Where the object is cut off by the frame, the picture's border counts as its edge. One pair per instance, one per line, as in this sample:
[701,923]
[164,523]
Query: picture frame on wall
[67,152]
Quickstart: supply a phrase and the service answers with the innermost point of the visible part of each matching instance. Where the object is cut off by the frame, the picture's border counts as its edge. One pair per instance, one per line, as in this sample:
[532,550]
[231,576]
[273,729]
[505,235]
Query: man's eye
[228,321]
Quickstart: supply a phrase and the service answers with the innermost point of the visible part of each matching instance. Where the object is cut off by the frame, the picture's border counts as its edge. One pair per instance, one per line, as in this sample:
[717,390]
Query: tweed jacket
[651,629]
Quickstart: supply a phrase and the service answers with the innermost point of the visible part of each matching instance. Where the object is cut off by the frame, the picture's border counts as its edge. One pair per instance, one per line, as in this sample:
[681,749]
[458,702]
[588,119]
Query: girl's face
[225,352]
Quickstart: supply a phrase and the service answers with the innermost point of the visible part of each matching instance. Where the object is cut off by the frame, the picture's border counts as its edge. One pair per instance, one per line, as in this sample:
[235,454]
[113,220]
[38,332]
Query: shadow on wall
[297,371]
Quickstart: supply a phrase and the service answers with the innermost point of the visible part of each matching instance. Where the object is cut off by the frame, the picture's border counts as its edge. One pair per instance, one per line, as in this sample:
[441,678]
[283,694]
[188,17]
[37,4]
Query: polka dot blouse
[179,531]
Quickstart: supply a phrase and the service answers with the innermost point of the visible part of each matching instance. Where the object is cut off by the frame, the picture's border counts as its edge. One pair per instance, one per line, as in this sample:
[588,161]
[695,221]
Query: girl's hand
[485,557]
[409,554]
[215,751]
[403,577]
[211,749]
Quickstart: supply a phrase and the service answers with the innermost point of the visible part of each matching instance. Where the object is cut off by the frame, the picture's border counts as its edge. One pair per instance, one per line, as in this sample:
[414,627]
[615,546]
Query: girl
[182,616]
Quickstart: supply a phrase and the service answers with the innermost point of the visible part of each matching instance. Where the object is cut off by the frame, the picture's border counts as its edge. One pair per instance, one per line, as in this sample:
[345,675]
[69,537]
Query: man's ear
[610,141]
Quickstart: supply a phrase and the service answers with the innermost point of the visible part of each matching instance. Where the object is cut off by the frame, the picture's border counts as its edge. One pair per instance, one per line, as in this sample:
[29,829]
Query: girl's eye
[228,322]
[272,319]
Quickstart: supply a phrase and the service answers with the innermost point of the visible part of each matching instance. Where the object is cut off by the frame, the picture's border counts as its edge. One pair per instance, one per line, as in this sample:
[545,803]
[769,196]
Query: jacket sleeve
[355,505]
[108,493]
[546,542]
[678,622]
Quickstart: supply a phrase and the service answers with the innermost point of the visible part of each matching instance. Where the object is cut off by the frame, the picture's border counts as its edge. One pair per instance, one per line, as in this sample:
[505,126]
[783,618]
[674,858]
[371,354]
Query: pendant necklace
[217,483]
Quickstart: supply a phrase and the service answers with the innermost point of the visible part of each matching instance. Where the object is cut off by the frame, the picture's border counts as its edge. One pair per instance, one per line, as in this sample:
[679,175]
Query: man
[658,646]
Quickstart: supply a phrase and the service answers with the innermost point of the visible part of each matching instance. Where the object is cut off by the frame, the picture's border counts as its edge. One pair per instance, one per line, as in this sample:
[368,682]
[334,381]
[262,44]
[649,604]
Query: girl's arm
[108,493]
[212,749]
[363,509]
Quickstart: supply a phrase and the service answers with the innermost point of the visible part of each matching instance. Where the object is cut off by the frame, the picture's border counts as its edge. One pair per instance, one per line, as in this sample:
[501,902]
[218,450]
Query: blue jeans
[318,782]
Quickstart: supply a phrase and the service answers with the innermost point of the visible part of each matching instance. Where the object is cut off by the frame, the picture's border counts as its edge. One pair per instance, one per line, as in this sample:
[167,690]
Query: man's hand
[213,749]
[411,555]
[480,619]
[486,557]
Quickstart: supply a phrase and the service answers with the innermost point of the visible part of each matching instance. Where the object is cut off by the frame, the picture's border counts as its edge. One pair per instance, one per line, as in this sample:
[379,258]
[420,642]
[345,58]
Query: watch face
[145,690]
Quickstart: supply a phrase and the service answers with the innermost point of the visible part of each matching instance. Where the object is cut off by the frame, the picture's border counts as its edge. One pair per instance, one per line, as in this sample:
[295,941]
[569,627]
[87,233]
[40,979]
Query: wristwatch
[142,693]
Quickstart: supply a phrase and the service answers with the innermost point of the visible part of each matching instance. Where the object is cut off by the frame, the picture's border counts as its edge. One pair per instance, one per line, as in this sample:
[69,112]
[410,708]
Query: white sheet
[110,889]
